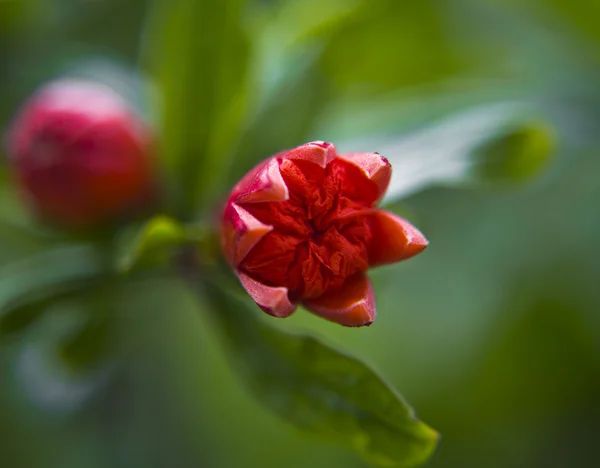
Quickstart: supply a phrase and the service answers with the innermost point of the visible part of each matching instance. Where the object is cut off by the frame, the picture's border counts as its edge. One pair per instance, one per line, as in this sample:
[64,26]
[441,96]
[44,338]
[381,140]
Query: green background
[492,334]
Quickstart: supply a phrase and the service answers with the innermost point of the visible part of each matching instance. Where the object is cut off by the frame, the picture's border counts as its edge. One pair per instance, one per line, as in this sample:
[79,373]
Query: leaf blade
[153,242]
[25,286]
[200,60]
[318,389]
[502,143]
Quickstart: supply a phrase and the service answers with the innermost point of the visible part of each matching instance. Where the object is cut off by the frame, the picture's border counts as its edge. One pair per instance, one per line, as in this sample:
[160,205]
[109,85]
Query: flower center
[320,235]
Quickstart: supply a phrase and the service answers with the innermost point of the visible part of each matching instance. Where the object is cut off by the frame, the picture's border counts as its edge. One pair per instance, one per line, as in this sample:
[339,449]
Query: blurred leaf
[289,35]
[503,143]
[284,121]
[50,381]
[25,286]
[318,389]
[16,14]
[393,44]
[117,75]
[579,19]
[582,17]
[199,56]
[514,155]
[408,109]
[557,366]
[152,243]
[291,89]
[87,346]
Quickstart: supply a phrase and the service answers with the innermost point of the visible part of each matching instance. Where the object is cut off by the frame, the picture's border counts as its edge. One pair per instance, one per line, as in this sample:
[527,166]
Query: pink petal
[375,167]
[351,306]
[318,152]
[267,185]
[394,238]
[273,300]
[241,232]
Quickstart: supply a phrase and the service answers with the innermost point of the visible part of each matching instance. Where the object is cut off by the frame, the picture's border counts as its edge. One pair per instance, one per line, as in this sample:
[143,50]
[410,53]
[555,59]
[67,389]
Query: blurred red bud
[303,227]
[82,157]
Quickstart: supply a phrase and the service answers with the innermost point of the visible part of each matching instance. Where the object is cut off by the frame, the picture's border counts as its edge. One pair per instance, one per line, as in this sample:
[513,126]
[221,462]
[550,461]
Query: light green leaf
[199,56]
[500,143]
[25,286]
[318,389]
[152,243]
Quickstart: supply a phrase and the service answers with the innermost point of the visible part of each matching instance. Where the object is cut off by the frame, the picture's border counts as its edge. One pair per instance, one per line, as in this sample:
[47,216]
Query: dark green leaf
[318,389]
[199,56]
[291,89]
[89,344]
[25,286]
[45,376]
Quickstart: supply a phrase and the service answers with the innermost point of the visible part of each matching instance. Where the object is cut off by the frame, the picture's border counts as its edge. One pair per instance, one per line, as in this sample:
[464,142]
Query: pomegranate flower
[81,156]
[302,227]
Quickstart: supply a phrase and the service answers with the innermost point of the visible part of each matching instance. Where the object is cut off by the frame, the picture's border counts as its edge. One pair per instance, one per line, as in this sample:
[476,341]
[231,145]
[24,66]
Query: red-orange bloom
[302,227]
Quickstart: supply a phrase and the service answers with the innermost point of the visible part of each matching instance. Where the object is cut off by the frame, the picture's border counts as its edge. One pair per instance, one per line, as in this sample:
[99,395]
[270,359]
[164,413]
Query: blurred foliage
[151,244]
[28,284]
[199,53]
[318,389]
[494,334]
[499,143]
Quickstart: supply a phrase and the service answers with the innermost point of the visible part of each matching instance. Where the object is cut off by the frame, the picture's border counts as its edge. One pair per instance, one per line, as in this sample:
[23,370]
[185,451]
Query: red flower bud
[302,227]
[81,156]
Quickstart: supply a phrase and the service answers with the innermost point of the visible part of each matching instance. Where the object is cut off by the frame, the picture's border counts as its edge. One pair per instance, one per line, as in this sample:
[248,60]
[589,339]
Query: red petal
[375,167]
[394,238]
[241,232]
[274,301]
[266,186]
[318,152]
[351,306]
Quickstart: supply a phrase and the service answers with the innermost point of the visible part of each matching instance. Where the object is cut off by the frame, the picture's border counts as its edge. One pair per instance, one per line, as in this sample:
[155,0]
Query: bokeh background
[493,334]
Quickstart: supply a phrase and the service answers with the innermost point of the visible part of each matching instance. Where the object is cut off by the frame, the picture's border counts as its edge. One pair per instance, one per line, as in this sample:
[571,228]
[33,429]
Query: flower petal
[273,300]
[266,186]
[241,232]
[375,167]
[351,306]
[318,152]
[394,238]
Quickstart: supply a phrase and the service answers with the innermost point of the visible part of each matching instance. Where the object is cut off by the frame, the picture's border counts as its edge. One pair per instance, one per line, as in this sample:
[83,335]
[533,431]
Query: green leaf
[27,285]
[16,14]
[515,155]
[199,55]
[284,121]
[394,44]
[291,90]
[289,34]
[497,143]
[88,345]
[318,389]
[48,376]
[153,243]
